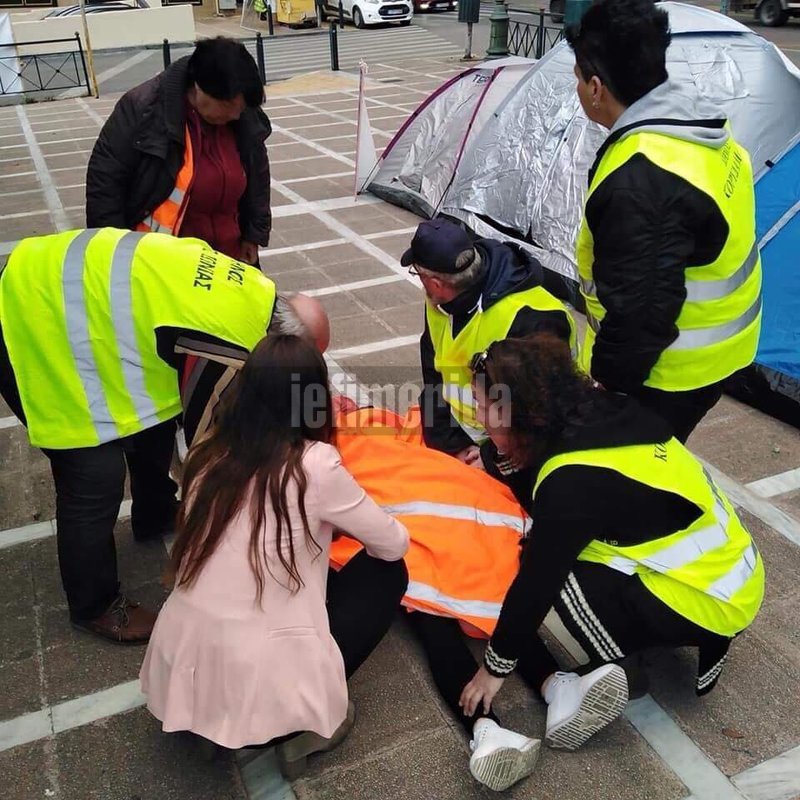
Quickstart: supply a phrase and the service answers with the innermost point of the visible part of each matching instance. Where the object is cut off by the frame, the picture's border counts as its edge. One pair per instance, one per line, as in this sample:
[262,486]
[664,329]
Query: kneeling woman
[633,545]
[248,648]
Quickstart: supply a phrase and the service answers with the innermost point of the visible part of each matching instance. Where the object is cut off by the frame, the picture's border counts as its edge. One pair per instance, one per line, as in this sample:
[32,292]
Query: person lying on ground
[258,637]
[633,545]
[476,293]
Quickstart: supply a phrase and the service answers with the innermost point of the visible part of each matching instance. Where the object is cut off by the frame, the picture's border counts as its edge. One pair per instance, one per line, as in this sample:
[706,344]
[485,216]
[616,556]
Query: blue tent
[773,383]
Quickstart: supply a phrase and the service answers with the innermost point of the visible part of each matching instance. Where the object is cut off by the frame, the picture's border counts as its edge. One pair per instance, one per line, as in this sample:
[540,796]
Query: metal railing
[534,38]
[43,72]
[256,44]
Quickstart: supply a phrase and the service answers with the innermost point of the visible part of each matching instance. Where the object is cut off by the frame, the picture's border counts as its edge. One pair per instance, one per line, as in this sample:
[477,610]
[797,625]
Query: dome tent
[505,147]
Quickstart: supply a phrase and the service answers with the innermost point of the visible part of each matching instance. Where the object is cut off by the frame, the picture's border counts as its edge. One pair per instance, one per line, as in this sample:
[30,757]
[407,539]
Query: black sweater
[576,504]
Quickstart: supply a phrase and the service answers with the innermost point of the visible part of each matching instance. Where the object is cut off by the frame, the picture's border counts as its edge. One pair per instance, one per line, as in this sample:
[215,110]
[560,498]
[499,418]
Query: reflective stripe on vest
[465,528]
[710,572]
[719,323]
[167,218]
[452,355]
[81,311]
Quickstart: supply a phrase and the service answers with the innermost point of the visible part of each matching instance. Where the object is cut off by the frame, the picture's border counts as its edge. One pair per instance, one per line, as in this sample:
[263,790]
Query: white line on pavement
[375,347]
[318,147]
[315,206]
[743,497]
[90,112]
[53,201]
[776,779]
[44,529]
[349,287]
[776,484]
[8,422]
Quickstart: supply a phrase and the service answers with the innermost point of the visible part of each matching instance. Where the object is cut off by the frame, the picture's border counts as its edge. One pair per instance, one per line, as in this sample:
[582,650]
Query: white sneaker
[501,757]
[578,707]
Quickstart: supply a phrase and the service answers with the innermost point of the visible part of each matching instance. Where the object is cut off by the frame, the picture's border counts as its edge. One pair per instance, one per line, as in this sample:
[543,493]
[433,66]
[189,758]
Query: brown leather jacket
[137,156]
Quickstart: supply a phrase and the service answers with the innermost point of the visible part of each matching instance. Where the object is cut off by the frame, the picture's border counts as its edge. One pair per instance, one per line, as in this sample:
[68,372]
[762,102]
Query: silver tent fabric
[520,172]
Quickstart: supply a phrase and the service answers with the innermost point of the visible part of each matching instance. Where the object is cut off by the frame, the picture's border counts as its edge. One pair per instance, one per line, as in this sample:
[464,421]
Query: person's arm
[642,246]
[561,529]
[440,430]
[530,321]
[346,506]
[112,165]
[254,207]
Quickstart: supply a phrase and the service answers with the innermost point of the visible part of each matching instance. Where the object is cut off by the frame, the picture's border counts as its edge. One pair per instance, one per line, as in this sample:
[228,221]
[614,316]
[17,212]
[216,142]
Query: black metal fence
[256,45]
[534,36]
[42,72]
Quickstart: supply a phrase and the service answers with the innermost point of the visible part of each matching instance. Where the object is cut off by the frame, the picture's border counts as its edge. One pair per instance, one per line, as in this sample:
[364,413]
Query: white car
[370,12]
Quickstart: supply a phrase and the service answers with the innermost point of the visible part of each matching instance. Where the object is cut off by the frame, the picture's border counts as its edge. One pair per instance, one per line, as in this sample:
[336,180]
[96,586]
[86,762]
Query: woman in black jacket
[184,153]
[632,545]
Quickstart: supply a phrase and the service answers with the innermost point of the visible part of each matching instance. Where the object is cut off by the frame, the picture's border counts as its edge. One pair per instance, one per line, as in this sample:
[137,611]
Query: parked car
[98,7]
[434,5]
[370,12]
[772,13]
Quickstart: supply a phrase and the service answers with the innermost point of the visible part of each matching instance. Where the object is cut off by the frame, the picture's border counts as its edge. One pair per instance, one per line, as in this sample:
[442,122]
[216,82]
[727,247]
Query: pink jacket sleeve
[345,505]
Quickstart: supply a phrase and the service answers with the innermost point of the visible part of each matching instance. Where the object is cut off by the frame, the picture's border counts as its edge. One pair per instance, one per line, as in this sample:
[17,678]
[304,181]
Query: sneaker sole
[506,766]
[603,703]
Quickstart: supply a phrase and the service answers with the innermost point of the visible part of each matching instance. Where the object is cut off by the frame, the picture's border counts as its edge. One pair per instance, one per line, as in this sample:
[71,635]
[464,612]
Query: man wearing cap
[476,293]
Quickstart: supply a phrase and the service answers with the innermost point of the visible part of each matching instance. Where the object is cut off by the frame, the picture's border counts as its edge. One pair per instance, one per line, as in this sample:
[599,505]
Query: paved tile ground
[71,725]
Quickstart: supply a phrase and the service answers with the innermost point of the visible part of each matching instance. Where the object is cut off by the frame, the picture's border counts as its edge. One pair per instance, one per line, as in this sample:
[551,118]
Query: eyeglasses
[477,364]
[414,270]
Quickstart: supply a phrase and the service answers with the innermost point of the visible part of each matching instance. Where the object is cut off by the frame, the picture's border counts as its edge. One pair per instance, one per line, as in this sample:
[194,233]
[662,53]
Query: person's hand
[480,690]
[469,455]
[249,252]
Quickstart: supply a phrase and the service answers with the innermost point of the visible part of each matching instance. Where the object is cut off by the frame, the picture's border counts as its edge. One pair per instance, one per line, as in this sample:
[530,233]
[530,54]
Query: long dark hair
[543,389]
[279,402]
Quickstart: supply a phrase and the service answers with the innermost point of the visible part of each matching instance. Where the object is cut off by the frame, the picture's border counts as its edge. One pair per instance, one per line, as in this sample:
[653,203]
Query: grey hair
[285,320]
[472,268]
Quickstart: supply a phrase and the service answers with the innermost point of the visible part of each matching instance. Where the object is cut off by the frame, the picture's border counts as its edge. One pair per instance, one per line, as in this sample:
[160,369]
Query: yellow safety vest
[711,572]
[719,324]
[80,311]
[453,354]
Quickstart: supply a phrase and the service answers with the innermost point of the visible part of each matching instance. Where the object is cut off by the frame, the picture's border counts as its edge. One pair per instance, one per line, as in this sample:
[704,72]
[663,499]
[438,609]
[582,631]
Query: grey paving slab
[301,229]
[29,225]
[303,169]
[27,772]
[347,331]
[69,177]
[752,714]
[74,196]
[22,203]
[128,758]
[390,295]
[301,280]
[325,188]
[376,218]
[21,688]
[406,320]
[26,493]
[789,502]
[744,443]
[397,245]
[13,182]
[359,268]
[341,144]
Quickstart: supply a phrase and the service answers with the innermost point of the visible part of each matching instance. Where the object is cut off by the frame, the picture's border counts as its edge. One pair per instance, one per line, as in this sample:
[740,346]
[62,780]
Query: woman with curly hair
[633,545]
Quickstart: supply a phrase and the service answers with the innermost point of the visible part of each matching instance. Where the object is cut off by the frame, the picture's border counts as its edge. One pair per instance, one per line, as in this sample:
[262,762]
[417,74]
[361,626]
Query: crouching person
[257,639]
[633,545]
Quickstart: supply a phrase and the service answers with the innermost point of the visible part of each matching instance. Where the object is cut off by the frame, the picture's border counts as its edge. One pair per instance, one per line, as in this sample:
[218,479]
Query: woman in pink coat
[257,640]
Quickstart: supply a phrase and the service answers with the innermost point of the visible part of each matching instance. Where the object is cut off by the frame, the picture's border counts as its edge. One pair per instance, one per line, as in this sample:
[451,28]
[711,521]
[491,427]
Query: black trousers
[682,410]
[363,599]
[453,666]
[90,482]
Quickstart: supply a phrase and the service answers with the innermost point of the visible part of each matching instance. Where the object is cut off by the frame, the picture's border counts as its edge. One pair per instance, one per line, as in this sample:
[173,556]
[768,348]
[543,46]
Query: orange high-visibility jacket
[465,526]
[167,218]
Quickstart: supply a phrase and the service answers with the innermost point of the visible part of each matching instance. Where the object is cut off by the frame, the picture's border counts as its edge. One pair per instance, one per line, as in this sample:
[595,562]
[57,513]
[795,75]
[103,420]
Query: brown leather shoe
[124,622]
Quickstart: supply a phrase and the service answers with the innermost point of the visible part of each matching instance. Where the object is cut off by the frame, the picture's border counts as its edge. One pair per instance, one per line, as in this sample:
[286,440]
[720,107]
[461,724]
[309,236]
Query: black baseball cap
[436,246]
